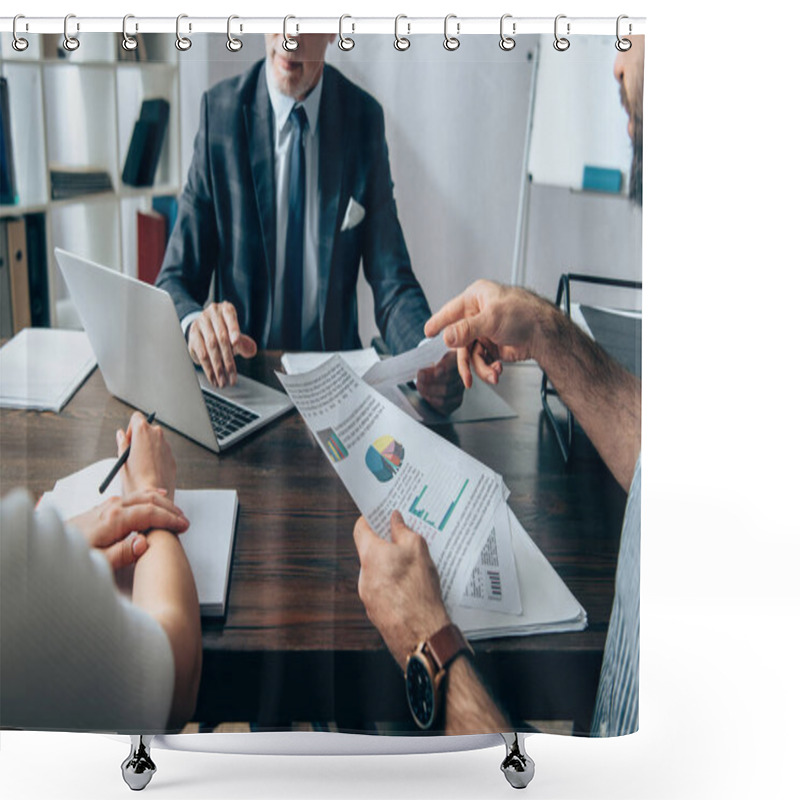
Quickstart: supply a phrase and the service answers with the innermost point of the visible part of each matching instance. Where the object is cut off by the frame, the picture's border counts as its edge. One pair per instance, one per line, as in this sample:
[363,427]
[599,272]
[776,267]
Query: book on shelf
[9,194]
[151,244]
[36,240]
[6,320]
[18,269]
[147,141]
[69,182]
[24,289]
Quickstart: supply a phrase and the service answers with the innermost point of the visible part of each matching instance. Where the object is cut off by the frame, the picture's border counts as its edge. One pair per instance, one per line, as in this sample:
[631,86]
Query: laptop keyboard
[226,418]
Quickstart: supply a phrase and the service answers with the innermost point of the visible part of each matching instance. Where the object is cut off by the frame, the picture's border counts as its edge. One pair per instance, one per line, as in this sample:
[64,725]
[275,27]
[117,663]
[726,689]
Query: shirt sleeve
[74,654]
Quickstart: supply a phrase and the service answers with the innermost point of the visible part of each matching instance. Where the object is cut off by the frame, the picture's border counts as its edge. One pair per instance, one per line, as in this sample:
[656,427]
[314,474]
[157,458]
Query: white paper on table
[548,606]
[481,402]
[404,367]
[208,542]
[493,584]
[388,461]
[358,360]
[41,368]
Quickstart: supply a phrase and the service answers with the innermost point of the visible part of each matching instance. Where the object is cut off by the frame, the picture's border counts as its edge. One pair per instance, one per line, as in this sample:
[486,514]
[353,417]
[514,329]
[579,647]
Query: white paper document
[208,542]
[493,584]
[388,461]
[358,360]
[548,606]
[391,376]
[404,367]
[41,368]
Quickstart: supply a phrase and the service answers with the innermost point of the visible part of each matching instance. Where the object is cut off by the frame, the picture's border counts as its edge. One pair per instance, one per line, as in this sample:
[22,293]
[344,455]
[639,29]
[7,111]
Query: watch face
[420,692]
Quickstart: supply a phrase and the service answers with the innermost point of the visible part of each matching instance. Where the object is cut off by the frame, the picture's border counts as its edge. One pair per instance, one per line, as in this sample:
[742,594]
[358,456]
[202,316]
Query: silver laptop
[135,333]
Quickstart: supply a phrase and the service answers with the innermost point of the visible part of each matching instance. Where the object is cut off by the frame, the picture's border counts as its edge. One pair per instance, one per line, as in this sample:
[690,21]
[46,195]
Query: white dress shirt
[282,106]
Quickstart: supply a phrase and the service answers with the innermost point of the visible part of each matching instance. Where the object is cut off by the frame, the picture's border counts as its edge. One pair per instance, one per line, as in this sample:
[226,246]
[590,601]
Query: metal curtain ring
[289,42]
[507,42]
[451,43]
[70,42]
[623,45]
[128,42]
[561,43]
[345,42]
[400,42]
[233,44]
[18,43]
[183,43]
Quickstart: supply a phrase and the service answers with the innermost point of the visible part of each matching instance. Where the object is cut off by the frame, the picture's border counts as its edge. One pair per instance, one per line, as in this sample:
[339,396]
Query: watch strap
[446,644]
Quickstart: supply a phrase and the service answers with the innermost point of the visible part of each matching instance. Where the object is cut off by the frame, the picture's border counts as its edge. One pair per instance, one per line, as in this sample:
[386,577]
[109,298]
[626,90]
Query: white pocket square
[354,214]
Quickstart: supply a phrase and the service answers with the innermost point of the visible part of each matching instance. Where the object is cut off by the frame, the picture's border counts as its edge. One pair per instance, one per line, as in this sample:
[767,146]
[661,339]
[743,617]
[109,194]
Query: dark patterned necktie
[295,234]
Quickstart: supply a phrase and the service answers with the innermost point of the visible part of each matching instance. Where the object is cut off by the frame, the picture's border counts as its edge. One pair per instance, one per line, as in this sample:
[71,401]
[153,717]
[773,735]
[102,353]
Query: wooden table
[296,643]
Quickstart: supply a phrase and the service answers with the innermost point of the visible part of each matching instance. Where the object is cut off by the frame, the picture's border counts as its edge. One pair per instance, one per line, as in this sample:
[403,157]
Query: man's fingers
[199,353]
[242,344]
[400,532]
[465,331]
[219,325]
[488,371]
[449,313]
[126,552]
[246,346]
[463,356]
[229,315]
[206,330]
[364,537]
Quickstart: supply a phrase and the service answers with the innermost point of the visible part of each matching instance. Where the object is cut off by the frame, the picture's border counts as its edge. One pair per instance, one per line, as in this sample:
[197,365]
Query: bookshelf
[77,111]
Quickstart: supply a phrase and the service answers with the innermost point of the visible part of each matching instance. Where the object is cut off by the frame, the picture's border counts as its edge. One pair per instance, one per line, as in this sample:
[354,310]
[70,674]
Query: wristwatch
[426,669]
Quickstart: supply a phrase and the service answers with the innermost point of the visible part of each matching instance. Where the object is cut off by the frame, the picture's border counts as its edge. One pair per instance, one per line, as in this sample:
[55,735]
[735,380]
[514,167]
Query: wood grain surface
[296,643]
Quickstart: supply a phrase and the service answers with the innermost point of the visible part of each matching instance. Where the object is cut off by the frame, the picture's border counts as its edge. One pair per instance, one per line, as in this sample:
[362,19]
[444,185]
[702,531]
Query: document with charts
[388,461]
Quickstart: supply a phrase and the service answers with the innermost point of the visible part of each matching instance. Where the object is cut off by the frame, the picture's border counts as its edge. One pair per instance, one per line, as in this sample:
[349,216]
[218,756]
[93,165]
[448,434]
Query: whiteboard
[577,117]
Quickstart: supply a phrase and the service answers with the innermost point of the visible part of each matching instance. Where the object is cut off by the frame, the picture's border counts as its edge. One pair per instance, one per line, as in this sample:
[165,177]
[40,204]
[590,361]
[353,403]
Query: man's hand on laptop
[214,340]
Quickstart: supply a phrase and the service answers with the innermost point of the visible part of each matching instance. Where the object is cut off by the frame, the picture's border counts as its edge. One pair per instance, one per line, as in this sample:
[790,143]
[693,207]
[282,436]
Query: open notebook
[208,542]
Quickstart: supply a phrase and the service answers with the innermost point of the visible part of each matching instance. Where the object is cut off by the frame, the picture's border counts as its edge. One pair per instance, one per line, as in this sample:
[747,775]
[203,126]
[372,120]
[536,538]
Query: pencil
[121,460]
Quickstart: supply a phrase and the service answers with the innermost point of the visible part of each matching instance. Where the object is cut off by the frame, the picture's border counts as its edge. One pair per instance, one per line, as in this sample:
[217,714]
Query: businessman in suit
[288,192]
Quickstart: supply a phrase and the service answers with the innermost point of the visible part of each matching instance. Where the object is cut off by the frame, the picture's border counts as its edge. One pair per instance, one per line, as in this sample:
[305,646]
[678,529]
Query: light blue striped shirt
[616,710]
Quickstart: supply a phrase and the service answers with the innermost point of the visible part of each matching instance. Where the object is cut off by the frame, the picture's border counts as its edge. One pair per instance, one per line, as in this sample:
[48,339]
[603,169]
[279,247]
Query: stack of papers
[494,579]
[41,368]
[391,377]
[208,543]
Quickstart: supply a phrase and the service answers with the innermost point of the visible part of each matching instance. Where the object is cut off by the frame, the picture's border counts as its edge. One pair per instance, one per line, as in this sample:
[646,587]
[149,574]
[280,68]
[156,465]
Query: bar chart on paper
[435,505]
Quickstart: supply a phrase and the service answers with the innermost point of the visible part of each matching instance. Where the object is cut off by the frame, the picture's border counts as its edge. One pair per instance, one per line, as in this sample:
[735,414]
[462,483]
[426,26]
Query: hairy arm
[489,323]
[399,587]
[605,398]
[469,708]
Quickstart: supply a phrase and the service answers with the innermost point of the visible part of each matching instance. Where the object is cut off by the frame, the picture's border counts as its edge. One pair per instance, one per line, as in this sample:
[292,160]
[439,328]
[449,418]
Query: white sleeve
[74,654]
[187,321]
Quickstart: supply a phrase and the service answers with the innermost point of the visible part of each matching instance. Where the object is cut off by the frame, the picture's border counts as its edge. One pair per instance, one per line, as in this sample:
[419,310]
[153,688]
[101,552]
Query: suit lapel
[261,148]
[331,170]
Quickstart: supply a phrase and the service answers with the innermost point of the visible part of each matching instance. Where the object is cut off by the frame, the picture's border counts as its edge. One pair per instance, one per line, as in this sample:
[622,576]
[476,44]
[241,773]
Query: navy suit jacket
[225,227]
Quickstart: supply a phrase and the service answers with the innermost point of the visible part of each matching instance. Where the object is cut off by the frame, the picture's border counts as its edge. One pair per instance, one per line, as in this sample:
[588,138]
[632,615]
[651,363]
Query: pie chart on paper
[384,457]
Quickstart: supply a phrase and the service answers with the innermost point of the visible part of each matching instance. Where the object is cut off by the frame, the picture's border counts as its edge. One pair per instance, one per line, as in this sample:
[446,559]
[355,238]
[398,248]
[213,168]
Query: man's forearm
[468,706]
[605,399]
[163,586]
